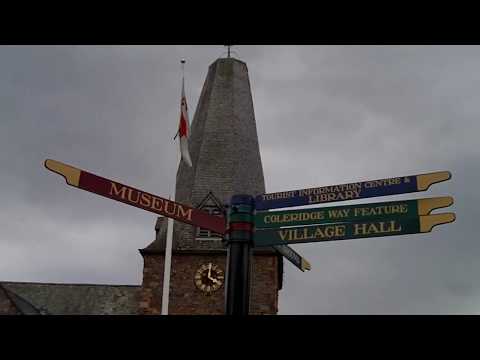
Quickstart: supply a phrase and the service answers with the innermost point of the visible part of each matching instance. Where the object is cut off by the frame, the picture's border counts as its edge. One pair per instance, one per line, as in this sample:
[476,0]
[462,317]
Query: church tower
[226,161]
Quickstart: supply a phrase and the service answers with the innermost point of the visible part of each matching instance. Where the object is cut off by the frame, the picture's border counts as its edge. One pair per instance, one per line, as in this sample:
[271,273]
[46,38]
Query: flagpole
[167,268]
[169,242]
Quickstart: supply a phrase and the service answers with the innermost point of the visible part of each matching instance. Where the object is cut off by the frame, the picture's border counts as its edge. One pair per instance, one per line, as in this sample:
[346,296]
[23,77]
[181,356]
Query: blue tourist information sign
[351,191]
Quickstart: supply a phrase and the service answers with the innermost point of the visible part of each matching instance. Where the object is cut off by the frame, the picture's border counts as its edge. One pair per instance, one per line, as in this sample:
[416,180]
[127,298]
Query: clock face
[209,278]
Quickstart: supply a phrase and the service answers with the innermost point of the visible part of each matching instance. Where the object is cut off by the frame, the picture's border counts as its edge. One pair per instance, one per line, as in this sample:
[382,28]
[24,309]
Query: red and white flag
[184,128]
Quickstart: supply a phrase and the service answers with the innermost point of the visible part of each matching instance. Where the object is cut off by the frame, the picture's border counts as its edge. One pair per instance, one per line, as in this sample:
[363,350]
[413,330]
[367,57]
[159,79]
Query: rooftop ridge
[17,299]
[227,59]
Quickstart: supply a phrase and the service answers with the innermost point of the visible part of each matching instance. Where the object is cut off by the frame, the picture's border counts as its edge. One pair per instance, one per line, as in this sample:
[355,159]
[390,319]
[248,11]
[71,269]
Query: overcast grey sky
[325,115]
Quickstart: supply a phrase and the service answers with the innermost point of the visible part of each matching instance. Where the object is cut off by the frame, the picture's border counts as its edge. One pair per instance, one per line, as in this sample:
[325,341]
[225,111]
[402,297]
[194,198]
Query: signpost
[349,213]
[353,230]
[239,240]
[138,198]
[351,191]
[248,226]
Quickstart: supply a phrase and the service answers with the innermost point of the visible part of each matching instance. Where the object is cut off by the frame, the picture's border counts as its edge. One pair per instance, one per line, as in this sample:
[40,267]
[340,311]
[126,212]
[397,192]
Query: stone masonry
[186,299]
[226,161]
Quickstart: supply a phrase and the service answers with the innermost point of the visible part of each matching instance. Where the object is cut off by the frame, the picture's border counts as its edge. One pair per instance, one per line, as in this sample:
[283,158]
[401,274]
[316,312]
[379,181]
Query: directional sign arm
[351,230]
[351,191]
[292,256]
[350,213]
[134,197]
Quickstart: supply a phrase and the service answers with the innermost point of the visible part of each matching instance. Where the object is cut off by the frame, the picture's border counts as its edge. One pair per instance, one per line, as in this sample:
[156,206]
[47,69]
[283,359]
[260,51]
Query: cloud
[325,115]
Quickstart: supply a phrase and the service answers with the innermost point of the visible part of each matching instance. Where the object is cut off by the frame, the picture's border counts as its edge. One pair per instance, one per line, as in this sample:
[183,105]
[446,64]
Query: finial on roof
[228,49]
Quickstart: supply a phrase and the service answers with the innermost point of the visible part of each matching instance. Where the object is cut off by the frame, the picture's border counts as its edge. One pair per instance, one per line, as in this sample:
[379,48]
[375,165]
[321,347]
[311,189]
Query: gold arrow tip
[428,222]
[306,265]
[71,174]
[425,206]
[425,180]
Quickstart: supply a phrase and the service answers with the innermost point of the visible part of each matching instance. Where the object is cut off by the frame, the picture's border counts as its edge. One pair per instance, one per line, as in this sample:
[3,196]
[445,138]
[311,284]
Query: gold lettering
[130,191]
[359,229]
[377,228]
[329,231]
[166,207]
[332,213]
[157,204]
[298,236]
[283,234]
[184,214]
[391,227]
[146,200]
[307,235]
[114,190]
[384,182]
[374,229]
[318,233]
[331,197]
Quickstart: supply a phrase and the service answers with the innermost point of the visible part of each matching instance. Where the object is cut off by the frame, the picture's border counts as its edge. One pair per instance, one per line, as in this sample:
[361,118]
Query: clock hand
[209,271]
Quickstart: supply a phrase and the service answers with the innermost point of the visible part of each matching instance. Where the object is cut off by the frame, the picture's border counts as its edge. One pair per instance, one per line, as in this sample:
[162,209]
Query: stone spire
[224,150]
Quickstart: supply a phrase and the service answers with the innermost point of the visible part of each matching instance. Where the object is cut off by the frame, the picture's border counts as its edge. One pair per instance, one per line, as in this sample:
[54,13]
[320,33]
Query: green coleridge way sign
[350,213]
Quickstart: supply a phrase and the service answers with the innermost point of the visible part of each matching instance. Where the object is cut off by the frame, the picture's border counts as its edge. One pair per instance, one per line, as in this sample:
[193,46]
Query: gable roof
[21,306]
[73,299]
[210,200]
[7,306]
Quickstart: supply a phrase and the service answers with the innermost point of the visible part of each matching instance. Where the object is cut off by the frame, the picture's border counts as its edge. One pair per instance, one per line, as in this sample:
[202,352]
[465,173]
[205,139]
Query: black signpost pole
[239,242]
